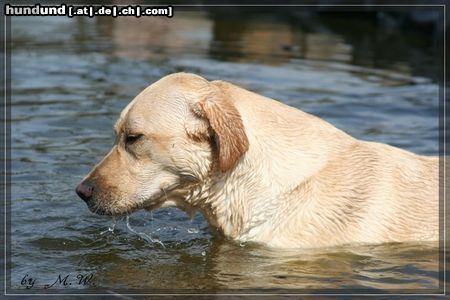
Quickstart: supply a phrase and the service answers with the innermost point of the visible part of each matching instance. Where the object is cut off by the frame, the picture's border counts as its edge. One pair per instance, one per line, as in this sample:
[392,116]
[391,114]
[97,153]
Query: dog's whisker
[96,207]
[165,195]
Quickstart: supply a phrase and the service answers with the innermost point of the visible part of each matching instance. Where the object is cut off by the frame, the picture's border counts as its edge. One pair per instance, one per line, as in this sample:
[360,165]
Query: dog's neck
[216,205]
[228,202]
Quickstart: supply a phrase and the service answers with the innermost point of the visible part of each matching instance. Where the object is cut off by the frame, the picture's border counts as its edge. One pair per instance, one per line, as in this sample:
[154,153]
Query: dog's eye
[132,138]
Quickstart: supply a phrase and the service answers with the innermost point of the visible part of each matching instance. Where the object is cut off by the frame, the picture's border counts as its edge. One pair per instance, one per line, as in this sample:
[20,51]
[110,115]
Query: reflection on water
[72,77]
[228,265]
[274,43]
[162,36]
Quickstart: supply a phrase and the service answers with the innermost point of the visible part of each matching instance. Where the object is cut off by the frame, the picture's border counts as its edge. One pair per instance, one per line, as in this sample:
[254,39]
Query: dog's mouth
[108,211]
[151,203]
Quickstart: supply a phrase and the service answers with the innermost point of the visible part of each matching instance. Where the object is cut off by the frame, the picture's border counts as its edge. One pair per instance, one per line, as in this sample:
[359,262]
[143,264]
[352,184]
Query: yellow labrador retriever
[260,170]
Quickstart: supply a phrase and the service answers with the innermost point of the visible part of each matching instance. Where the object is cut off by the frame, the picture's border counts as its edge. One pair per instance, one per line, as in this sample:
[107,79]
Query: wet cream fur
[262,171]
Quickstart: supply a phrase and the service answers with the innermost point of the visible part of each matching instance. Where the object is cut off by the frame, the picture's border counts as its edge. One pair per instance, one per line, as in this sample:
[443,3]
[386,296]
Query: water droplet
[111,228]
[203,253]
[142,235]
[192,230]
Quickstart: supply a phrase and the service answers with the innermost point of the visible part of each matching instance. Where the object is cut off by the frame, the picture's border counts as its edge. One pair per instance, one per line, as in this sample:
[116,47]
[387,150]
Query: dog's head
[172,136]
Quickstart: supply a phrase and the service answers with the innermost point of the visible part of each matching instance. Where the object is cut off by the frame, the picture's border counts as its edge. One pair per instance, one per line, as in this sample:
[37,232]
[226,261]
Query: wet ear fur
[226,124]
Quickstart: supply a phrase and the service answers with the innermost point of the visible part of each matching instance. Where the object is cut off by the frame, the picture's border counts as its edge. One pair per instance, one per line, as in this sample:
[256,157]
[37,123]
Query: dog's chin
[115,211]
[156,201]
[109,212]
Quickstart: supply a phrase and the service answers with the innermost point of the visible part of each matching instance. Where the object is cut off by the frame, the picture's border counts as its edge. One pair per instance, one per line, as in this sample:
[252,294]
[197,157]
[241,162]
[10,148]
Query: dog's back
[334,189]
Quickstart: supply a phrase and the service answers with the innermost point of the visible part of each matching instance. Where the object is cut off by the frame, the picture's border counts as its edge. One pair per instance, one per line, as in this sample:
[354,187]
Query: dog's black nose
[85,190]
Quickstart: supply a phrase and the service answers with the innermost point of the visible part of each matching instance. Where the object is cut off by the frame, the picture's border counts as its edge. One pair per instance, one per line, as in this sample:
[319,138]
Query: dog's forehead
[149,110]
[164,101]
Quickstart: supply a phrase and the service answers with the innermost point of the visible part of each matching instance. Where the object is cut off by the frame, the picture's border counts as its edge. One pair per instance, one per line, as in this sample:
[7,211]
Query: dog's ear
[226,126]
